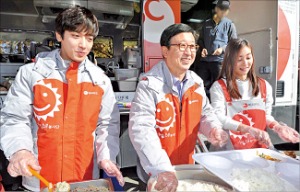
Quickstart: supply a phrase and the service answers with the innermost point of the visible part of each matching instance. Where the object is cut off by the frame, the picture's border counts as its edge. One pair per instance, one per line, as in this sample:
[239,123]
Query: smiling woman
[239,65]
[243,101]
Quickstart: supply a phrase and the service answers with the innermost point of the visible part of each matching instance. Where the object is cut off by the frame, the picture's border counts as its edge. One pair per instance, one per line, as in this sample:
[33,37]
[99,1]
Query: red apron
[177,126]
[249,112]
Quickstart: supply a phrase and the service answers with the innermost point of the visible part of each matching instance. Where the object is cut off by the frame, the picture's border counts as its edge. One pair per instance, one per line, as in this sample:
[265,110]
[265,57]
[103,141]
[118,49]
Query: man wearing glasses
[168,108]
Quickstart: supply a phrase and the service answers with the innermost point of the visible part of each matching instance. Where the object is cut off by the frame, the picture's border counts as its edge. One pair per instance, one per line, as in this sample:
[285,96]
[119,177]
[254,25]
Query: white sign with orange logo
[158,14]
[288,45]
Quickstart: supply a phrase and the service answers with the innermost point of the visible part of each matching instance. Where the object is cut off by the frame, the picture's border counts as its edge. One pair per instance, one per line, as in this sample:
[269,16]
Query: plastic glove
[217,137]
[112,170]
[286,133]
[19,162]
[260,135]
[166,181]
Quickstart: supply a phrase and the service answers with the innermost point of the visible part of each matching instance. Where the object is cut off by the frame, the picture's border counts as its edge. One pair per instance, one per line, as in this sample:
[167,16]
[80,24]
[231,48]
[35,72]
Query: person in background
[60,115]
[214,37]
[168,108]
[243,101]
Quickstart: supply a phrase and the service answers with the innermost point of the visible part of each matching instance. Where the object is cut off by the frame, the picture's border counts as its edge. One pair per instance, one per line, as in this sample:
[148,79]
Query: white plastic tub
[124,74]
[128,84]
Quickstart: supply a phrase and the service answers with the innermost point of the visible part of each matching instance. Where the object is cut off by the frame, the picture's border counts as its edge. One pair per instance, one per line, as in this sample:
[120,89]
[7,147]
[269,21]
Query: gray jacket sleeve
[16,116]
[143,135]
[209,120]
[108,128]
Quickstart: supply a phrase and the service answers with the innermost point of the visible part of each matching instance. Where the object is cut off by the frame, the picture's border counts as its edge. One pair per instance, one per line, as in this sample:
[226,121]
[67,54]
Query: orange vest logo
[45,92]
[243,118]
[165,115]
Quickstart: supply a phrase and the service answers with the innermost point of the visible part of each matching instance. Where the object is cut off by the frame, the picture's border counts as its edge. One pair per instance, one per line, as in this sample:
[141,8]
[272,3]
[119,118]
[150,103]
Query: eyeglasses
[184,46]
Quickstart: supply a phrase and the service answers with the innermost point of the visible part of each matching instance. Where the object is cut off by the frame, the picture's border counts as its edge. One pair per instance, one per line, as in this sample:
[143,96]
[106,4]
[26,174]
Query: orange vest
[66,139]
[177,124]
[249,112]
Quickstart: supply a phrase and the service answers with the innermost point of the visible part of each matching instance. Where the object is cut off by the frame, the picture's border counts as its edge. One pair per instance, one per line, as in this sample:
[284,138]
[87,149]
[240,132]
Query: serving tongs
[41,178]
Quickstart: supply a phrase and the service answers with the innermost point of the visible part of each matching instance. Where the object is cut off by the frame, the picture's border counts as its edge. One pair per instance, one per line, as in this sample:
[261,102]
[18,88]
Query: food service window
[103,47]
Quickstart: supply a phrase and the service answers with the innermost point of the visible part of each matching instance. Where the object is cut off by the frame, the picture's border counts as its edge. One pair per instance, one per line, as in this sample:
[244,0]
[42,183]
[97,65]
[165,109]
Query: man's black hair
[78,19]
[173,30]
[223,4]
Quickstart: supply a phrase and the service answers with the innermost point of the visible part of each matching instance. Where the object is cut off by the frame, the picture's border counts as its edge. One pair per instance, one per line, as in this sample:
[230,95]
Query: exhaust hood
[187,4]
[116,12]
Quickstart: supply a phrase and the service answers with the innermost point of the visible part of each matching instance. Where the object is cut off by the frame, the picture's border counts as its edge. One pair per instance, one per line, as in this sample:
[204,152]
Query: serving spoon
[41,178]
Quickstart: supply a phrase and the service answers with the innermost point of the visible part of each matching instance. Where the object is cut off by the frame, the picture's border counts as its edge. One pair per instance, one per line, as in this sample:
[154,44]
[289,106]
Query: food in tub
[258,180]
[197,185]
[291,154]
[90,188]
[267,157]
[59,187]
[62,187]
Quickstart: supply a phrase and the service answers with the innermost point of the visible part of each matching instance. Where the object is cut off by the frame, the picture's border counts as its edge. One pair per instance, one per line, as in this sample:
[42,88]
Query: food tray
[222,164]
[97,183]
[194,172]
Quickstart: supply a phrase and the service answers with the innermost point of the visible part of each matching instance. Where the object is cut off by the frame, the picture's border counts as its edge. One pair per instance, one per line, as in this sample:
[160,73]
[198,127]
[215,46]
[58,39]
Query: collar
[176,81]
[62,64]
[171,80]
[213,21]
[53,61]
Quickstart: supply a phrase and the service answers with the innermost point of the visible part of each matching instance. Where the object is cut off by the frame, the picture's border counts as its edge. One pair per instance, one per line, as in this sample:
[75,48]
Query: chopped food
[258,180]
[62,187]
[196,185]
[90,188]
[267,157]
[3,88]
[291,154]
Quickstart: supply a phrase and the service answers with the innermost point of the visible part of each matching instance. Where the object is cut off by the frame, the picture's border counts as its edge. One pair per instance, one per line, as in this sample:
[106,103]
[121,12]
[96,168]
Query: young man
[168,108]
[214,37]
[60,116]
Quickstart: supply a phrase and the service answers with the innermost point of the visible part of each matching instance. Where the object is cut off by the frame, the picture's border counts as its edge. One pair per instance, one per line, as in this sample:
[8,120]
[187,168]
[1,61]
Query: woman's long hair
[230,58]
